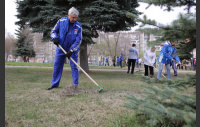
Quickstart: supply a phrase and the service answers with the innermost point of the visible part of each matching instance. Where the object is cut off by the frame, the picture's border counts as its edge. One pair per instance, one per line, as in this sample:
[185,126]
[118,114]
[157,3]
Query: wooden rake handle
[156,69]
[78,66]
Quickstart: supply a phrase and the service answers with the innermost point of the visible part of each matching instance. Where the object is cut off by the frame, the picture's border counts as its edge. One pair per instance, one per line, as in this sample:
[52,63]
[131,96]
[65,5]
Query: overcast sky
[152,12]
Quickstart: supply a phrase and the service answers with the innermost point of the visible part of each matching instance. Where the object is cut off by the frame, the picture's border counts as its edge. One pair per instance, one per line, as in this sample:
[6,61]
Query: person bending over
[68,33]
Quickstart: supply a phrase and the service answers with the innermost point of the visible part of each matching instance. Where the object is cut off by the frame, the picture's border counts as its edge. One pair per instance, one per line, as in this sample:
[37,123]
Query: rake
[100,89]
[156,69]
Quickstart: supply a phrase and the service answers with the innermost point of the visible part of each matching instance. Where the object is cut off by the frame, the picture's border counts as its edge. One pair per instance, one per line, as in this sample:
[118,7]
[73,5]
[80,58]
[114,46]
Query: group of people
[116,61]
[119,61]
[168,57]
[149,60]
[67,33]
[184,64]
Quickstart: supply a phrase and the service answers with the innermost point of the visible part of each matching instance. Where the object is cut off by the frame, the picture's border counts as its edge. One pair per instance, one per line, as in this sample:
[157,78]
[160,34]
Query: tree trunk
[6,57]
[24,58]
[116,37]
[108,44]
[84,59]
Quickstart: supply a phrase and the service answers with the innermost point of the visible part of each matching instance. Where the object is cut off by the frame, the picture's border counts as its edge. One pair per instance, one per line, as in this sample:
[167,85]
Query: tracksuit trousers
[58,68]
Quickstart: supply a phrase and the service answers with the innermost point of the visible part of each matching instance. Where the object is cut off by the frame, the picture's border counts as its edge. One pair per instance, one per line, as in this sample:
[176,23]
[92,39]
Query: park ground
[28,103]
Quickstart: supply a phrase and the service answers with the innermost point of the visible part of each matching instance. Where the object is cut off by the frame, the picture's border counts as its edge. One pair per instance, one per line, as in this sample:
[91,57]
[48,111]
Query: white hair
[73,11]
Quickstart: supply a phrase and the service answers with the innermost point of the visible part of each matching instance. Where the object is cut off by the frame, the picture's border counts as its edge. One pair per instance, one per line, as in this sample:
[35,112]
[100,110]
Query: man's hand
[69,53]
[56,41]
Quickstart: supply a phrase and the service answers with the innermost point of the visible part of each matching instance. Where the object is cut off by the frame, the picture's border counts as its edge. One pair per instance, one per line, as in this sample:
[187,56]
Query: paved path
[102,69]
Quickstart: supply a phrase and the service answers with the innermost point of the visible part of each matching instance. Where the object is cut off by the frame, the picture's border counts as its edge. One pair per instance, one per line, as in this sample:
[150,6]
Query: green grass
[51,65]
[68,65]
[28,103]
[29,64]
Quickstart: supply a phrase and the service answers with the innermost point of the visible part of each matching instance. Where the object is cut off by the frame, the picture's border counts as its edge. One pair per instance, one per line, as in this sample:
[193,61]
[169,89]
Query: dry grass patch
[28,103]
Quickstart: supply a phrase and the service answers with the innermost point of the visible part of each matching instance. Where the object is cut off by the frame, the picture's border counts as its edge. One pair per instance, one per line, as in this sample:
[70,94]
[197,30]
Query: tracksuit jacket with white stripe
[167,54]
[70,37]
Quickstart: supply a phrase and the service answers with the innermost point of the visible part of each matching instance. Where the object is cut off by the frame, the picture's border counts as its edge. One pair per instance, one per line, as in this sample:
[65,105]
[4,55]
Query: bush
[165,106]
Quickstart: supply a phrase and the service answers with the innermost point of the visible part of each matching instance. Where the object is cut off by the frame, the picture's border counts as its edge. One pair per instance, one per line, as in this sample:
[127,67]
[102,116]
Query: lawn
[28,103]
[51,65]
[68,65]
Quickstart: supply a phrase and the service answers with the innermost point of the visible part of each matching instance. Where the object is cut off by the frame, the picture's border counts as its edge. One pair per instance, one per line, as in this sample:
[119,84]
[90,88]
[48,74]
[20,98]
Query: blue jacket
[174,54]
[106,59]
[165,55]
[121,57]
[117,59]
[60,31]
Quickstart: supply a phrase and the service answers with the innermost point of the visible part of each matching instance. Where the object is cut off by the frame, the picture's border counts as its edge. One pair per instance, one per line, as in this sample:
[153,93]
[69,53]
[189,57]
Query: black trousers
[178,66]
[146,70]
[114,63]
[131,62]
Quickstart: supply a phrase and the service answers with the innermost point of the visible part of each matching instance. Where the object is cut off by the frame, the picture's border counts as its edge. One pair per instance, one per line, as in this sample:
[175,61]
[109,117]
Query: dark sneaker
[50,87]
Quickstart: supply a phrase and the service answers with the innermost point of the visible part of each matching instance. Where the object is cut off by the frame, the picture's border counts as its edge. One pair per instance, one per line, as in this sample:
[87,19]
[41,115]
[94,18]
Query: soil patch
[68,91]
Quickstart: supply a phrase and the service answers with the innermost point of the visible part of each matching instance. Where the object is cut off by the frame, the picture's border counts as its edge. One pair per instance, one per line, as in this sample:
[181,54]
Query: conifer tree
[170,4]
[166,105]
[24,44]
[42,16]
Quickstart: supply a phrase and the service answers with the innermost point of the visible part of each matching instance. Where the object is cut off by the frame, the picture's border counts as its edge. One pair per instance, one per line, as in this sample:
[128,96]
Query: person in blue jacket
[165,57]
[68,33]
[175,60]
[117,61]
[106,61]
[120,59]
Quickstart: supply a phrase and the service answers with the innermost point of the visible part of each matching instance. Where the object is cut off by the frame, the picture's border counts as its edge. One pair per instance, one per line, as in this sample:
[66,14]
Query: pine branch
[152,22]
[169,4]
[165,104]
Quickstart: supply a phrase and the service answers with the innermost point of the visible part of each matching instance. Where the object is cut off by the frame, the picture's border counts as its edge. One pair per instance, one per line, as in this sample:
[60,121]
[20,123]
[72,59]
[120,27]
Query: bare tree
[106,41]
[100,48]
[41,48]
[38,45]
[116,38]
[110,44]
[124,43]
[90,47]
[9,44]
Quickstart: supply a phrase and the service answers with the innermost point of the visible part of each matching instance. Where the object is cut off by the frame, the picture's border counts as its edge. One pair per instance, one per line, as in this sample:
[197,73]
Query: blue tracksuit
[175,56]
[120,60]
[70,37]
[165,58]
[165,55]
[121,57]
